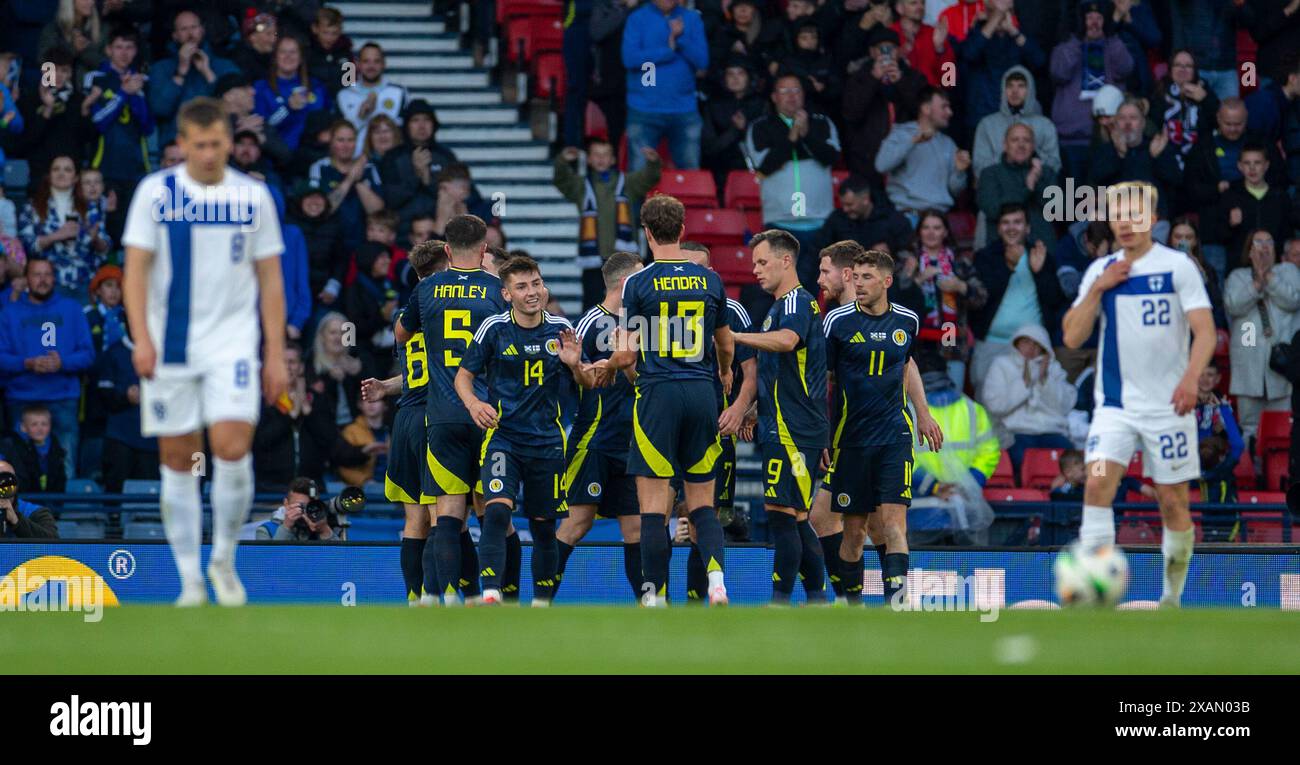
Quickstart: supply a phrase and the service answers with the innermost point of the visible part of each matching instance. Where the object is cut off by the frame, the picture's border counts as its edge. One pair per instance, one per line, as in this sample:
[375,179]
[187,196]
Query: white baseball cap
[1107,101]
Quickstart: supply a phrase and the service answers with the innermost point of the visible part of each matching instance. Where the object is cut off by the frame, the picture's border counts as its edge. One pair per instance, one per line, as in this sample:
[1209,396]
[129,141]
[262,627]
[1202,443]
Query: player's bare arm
[626,345]
[926,427]
[135,296]
[373,389]
[1079,320]
[724,343]
[270,285]
[1204,340]
[585,375]
[480,411]
[776,341]
[732,419]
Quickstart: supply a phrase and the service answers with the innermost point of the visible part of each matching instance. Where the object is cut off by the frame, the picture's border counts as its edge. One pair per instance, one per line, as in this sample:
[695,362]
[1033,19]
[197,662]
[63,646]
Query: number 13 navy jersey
[677,305]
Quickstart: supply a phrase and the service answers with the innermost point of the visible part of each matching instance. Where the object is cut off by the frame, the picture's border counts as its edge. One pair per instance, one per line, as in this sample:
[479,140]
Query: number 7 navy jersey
[1145,336]
[448,308]
[677,306]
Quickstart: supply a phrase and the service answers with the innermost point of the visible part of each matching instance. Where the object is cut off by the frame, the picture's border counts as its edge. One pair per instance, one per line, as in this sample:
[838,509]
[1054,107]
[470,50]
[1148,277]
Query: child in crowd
[35,453]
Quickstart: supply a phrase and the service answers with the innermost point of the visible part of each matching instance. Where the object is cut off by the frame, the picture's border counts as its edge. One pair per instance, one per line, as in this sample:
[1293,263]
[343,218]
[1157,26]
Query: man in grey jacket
[1019,105]
[793,151]
[925,167]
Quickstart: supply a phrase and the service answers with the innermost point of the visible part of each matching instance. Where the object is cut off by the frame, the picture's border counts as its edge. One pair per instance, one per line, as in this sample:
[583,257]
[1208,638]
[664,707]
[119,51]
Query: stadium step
[557,231]
[357,10]
[445,79]
[531,173]
[396,44]
[518,191]
[399,63]
[485,132]
[504,115]
[475,154]
[369,29]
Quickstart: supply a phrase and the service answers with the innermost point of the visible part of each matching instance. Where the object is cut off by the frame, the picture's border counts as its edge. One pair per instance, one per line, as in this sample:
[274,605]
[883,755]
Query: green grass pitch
[378,640]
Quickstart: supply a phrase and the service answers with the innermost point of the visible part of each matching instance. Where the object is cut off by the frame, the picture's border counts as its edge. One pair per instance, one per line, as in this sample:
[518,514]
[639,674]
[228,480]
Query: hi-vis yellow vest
[968,440]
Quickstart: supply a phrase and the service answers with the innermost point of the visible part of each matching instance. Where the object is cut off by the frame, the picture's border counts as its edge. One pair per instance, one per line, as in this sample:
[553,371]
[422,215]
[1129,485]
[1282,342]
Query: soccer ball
[1090,576]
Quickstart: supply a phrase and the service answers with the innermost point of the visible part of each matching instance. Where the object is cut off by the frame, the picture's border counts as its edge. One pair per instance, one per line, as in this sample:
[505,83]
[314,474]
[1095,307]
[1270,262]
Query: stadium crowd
[959,136]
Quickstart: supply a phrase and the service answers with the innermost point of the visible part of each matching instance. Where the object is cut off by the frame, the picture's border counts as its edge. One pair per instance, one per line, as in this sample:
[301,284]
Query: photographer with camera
[21,519]
[304,516]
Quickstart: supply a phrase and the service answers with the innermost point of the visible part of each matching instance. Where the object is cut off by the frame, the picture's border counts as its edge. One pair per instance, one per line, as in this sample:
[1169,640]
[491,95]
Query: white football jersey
[1145,336]
[203,296]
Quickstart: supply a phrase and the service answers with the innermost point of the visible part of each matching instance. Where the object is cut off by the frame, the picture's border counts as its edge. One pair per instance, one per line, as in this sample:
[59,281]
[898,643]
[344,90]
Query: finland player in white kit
[1149,297]
[193,282]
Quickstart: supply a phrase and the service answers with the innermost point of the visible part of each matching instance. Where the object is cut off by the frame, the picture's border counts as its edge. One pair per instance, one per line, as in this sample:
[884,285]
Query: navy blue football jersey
[792,386]
[604,414]
[738,320]
[676,305]
[868,355]
[527,382]
[448,308]
[413,366]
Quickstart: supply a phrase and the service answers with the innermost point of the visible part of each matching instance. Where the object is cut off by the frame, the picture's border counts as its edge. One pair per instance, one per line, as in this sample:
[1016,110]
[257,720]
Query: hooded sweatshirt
[1040,407]
[992,130]
[23,335]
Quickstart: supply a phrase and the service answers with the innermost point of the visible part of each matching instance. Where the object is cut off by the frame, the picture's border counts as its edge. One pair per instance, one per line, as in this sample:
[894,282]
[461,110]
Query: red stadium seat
[528,36]
[735,265]
[753,223]
[1135,466]
[1134,498]
[1276,467]
[1274,433]
[693,188]
[1003,477]
[1132,531]
[716,227]
[1261,498]
[1040,467]
[510,9]
[837,177]
[742,191]
[597,127]
[1015,495]
[1264,528]
[962,225]
[1245,471]
[548,76]
[1194,496]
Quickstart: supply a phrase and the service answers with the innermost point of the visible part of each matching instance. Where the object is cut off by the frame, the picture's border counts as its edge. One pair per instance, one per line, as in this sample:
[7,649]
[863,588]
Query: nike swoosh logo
[1179,466]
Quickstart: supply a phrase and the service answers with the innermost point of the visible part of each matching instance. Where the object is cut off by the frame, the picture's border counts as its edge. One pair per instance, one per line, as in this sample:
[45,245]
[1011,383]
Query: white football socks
[1098,526]
[232,497]
[182,521]
[1177,549]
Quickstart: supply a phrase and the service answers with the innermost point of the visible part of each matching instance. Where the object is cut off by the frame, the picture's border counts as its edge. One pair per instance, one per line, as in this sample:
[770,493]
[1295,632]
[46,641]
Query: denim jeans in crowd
[63,417]
[648,129]
[1226,83]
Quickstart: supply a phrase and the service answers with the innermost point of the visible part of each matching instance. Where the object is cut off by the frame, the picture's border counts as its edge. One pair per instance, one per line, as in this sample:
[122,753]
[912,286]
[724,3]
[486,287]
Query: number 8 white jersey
[1145,336]
[203,301]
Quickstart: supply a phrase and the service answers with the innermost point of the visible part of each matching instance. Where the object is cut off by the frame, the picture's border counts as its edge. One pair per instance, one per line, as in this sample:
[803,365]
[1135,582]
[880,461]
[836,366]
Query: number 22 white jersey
[1145,336]
[203,293]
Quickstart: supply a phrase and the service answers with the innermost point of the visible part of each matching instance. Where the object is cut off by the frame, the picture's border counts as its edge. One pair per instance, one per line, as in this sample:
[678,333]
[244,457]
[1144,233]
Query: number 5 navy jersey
[676,305]
[448,308]
[1145,336]
[868,355]
[792,386]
